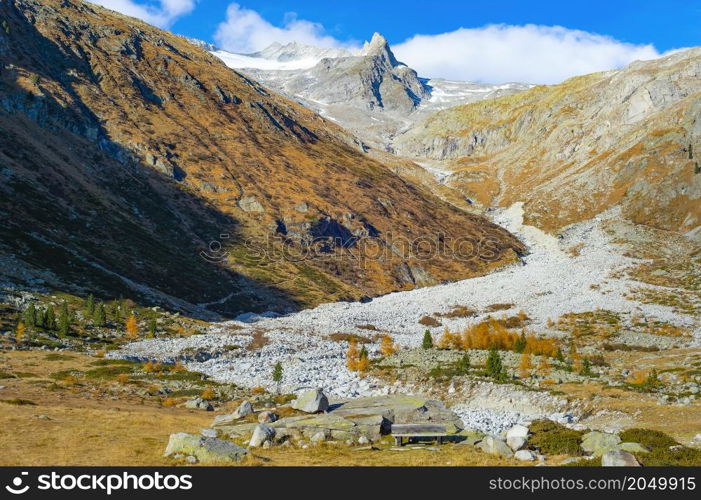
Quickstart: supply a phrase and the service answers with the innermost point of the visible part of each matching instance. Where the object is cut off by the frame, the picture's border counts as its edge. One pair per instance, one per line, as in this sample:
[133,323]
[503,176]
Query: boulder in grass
[244,409]
[266,417]
[597,443]
[619,458]
[516,442]
[518,430]
[495,446]
[199,404]
[204,449]
[261,434]
[525,455]
[313,401]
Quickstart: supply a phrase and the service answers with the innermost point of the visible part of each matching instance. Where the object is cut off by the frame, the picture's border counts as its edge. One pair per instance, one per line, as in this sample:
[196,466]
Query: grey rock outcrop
[525,455]
[204,449]
[619,458]
[597,443]
[313,401]
[495,446]
[261,434]
[244,409]
[266,417]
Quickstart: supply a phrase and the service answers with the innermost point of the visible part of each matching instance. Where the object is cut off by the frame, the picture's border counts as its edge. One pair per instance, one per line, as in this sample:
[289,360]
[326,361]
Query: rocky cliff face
[569,151]
[370,92]
[127,151]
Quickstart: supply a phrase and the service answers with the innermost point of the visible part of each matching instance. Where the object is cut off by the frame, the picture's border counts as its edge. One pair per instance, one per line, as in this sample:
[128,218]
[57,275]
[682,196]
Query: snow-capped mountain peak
[295,51]
[368,91]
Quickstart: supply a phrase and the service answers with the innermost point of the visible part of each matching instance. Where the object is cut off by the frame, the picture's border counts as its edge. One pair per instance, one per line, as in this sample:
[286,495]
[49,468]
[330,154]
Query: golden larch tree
[352,356]
[132,326]
[387,346]
[20,332]
[363,361]
[525,365]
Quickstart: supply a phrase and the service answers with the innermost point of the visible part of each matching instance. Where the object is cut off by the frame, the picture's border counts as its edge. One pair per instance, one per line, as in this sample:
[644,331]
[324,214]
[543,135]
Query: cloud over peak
[507,53]
[245,31]
[492,54]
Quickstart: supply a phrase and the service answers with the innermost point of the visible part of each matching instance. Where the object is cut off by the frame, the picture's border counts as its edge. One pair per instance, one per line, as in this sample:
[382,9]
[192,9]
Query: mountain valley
[278,256]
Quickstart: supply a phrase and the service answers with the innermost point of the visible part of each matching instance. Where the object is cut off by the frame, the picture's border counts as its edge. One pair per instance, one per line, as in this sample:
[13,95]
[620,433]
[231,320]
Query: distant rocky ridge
[627,138]
[369,92]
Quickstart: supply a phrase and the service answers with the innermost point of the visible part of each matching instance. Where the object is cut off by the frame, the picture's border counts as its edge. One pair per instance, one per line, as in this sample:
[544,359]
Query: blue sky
[666,24]
[531,41]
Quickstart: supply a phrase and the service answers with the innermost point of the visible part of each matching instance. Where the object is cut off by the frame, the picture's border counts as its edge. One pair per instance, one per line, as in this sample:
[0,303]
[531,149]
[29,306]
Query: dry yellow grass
[331,455]
[73,427]
[82,427]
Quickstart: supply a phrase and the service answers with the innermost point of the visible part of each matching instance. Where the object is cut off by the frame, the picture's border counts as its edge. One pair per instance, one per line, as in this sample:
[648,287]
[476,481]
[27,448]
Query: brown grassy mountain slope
[130,149]
[569,151]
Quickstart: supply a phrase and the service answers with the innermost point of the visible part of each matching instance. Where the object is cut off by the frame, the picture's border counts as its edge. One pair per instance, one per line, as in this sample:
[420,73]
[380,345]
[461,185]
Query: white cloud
[245,31]
[162,15]
[530,53]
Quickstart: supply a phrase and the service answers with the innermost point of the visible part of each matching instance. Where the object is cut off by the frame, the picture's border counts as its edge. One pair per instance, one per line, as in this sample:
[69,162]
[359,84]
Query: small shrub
[429,321]
[598,360]
[552,438]
[18,402]
[108,372]
[586,368]
[367,327]
[57,356]
[652,440]
[626,347]
[348,337]
[664,450]
[258,390]
[462,367]
[499,307]
[208,394]
[110,362]
[459,312]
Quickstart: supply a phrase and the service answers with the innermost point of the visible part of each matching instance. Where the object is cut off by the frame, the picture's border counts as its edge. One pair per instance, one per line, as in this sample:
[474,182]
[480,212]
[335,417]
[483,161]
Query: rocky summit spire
[378,46]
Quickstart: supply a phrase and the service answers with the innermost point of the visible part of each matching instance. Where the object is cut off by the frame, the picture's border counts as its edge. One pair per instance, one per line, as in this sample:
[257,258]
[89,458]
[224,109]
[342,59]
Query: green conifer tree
[152,326]
[495,366]
[277,375]
[100,315]
[90,306]
[462,367]
[50,318]
[428,340]
[30,316]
